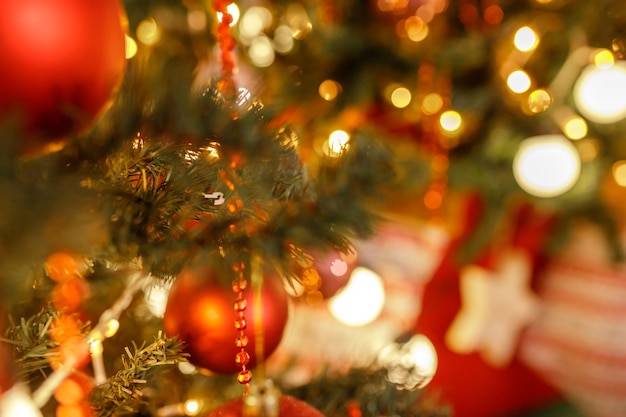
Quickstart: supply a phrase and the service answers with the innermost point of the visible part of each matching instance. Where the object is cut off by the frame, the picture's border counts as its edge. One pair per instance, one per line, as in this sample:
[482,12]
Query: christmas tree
[194,192]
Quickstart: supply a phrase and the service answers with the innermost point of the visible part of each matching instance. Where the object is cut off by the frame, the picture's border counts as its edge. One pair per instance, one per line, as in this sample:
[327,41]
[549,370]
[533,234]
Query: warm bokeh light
[575,128]
[233,10]
[338,142]
[411,365]
[283,39]
[112,326]
[518,81]
[254,21]
[493,14]
[604,58]
[298,20]
[416,29]
[432,104]
[539,101]
[619,172]
[131,47]
[450,121]
[546,166]
[196,20]
[192,407]
[329,89]
[600,93]
[148,32]
[525,39]
[400,97]
[362,299]
[261,51]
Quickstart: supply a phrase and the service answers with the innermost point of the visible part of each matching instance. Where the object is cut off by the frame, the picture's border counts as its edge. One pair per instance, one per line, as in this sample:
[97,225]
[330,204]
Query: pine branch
[368,390]
[123,394]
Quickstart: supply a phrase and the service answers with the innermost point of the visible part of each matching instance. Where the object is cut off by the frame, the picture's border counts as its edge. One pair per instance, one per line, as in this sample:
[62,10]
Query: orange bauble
[289,407]
[200,311]
[61,62]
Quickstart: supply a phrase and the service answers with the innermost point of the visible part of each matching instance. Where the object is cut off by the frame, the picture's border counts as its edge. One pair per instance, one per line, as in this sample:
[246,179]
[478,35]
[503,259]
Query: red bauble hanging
[61,62]
[289,407]
[200,311]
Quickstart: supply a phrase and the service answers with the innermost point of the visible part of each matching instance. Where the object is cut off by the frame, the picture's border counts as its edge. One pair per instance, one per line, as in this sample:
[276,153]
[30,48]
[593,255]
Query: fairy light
[416,29]
[233,10]
[192,407]
[546,166]
[575,128]
[261,51]
[600,92]
[518,81]
[400,97]
[338,142]
[131,47]
[604,59]
[525,39]
[619,172]
[254,20]
[329,89]
[197,20]
[361,301]
[283,40]
[539,101]
[148,32]
[432,104]
[450,121]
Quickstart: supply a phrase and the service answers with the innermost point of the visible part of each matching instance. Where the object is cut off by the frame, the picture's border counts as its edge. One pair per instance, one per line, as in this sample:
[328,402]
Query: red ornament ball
[200,310]
[61,62]
[289,407]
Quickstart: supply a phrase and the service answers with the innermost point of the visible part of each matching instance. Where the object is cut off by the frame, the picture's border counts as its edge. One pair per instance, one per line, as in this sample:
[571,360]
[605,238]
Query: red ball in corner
[61,62]
[289,407]
[200,311]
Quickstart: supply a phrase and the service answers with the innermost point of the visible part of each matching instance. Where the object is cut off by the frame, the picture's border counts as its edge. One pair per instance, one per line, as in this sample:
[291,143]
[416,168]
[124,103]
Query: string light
[619,172]
[233,10]
[600,92]
[575,128]
[525,39]
[131,47]
[450,121]
[338,142]
[361,301]
[546,166]
[518,81]
[400,97]
[148,32]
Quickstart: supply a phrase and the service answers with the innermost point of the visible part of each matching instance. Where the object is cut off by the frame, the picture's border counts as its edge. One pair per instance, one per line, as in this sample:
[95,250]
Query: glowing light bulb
[518,82]
[450,121]
[600,93]
[400,97]
[411,365]
[546,166]
[192,407]
[254,20]
[525,39]
[539,101]
[131,47]
[283,39]
[362,299]
[148,32]
[329,89]
[261,51]
[337,142]
[619,173]
[604,59]
[232,10]
[575,128]
[431,104]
